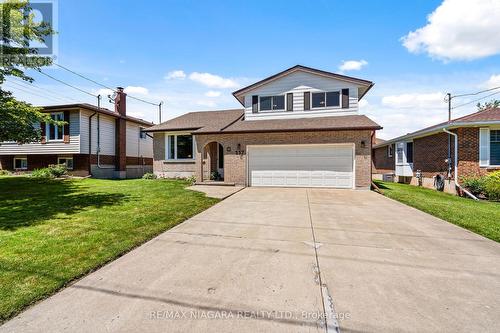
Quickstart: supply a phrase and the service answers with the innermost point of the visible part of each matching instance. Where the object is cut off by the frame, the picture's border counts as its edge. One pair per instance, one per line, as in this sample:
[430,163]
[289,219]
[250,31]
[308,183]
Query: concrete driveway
[270,260]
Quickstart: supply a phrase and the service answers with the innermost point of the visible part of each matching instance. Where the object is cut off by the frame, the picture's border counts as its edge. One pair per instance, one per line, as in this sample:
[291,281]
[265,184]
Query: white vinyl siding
[137,146]
[107,133]
[298,83]
[321,165]
[54,147]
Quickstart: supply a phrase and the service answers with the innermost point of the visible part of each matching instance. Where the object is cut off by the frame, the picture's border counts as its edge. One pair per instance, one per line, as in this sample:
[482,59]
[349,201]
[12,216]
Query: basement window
[68,161]
[20,163]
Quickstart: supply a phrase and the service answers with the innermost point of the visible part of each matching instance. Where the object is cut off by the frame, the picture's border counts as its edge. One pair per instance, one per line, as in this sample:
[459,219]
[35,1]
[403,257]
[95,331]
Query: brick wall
[382,163]
[468,152]
[235,163]
[164,168]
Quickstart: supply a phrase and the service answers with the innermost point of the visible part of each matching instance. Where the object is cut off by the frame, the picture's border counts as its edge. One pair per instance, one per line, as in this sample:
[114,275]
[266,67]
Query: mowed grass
[52,232]
[481,217]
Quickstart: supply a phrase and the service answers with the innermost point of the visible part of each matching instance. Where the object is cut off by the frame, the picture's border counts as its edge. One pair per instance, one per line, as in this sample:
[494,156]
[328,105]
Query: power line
[67,84]
[103,85]
[476,100]
[33,93]
[476,93]
[44,90]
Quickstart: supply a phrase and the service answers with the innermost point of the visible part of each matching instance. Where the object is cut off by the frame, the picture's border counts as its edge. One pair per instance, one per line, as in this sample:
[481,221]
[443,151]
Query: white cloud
[352,65]
[415,100]
[493,81]
[209,104]
[177,74]
[136,90]
[212,93]
[212,80]
[459,30]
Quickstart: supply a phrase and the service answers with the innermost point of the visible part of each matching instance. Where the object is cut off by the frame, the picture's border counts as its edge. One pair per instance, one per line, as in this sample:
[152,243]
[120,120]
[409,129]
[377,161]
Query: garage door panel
[307,166]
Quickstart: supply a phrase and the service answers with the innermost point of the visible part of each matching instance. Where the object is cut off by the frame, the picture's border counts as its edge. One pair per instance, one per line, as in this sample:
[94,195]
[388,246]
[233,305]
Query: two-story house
[300,127]
[94,141]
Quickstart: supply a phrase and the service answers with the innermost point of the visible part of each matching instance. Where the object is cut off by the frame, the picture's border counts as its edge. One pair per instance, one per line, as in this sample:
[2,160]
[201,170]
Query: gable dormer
[302,92]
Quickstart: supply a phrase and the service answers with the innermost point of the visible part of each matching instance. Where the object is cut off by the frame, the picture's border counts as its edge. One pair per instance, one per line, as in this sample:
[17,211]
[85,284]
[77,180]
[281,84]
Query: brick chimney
[121,133]
[121,101]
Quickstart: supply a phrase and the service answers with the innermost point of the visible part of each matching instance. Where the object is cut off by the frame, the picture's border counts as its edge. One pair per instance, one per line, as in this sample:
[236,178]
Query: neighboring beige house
[300,127]
[97,142]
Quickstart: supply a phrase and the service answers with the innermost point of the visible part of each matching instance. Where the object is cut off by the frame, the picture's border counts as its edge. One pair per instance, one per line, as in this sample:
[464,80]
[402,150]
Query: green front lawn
[481,217]
[52,232]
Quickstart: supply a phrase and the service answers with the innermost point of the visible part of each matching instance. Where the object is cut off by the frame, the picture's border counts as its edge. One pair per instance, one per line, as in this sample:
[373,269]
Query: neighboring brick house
[97,142]
[425,152]
[300,127]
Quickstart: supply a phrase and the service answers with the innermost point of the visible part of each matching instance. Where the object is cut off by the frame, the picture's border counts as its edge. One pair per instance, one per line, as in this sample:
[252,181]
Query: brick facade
[382,163]
[235,160]
[169,169]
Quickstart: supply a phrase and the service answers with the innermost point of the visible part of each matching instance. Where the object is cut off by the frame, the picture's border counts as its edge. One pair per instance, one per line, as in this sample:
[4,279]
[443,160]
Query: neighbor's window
[68,161]
[20,163]
[400,152]
[494,147]
[325,99]
[390,150]
[142,134]
[409,152]
[55,132]
[180,147]
[268,103]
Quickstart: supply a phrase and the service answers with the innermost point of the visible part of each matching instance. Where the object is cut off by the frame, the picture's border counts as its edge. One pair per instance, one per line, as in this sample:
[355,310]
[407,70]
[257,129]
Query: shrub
[42,173]
[4,172]
[215,176]
[475,184]
[191,179]
[492,185]
[149,175]
[53,171]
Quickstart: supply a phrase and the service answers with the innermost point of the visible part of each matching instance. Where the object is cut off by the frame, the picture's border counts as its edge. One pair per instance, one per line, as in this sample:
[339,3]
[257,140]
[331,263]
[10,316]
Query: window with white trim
[55,132]
[272,103]
[180,147]
[390,150]
[325,99]
[68,161]
[20,163]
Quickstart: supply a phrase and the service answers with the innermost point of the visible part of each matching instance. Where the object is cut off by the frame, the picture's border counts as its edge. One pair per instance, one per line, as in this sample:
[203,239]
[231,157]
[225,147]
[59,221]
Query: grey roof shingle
[231,121]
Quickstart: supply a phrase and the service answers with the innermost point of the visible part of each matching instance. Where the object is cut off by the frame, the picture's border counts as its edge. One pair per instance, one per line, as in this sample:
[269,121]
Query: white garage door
[301,165]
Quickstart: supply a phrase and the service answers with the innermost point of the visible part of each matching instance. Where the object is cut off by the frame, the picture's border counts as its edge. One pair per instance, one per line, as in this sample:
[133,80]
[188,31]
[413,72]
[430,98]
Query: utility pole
[159,112]
[449,136]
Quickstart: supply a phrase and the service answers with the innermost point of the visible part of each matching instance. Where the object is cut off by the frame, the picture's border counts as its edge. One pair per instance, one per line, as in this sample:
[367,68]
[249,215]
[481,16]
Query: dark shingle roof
[211,120]
[353,122]
[481,117]
[231,121]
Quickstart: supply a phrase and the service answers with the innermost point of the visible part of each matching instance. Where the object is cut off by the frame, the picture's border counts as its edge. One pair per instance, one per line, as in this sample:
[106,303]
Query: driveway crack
[326,299]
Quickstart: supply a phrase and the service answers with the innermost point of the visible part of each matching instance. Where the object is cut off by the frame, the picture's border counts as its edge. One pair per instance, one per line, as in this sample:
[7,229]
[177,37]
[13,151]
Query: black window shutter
[307,100]
[289,102]
[255,104]
[345,98]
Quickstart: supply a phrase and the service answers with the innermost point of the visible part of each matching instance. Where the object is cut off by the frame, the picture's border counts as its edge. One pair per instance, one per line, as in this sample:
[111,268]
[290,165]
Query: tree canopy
[19,121]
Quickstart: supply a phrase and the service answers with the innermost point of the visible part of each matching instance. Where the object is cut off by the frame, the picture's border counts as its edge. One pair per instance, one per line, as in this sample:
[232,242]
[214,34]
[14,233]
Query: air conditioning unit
[388,177]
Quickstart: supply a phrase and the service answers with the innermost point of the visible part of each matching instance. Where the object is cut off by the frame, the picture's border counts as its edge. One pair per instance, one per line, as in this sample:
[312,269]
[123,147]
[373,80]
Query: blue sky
[154,48]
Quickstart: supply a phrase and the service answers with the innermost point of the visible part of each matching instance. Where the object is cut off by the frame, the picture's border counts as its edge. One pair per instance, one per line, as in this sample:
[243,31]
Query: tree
[19,121]
[494,103]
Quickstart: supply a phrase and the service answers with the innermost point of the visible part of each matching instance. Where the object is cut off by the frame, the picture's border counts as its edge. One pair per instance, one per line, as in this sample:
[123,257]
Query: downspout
[455,171]
[90,142]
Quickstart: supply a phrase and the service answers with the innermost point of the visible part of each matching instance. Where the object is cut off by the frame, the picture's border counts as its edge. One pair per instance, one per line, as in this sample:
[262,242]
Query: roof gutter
[437,129]
[455,172]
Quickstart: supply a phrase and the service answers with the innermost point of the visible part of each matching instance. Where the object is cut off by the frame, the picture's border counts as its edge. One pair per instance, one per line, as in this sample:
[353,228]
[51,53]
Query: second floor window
[55,132]
[325,99]
[268,103]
